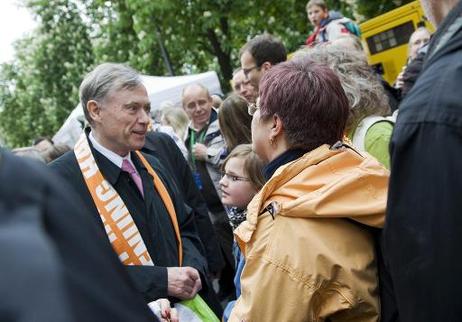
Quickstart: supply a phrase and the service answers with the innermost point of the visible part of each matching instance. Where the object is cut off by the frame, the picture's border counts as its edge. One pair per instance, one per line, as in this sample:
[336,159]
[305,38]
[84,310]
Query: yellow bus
[385,38]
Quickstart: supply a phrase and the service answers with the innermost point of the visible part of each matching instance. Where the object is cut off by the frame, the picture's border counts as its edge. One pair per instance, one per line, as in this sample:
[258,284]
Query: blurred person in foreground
[423,232]
[56,265]
[131,196]
[366,127]
[311,215]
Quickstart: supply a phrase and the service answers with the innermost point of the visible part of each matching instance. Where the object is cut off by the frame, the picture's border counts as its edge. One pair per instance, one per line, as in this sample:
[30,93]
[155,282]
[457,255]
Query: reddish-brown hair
[309,99]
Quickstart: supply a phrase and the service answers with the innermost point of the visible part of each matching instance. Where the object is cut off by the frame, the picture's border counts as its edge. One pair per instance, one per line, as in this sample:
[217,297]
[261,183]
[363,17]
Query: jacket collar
[281,176]
[286,157]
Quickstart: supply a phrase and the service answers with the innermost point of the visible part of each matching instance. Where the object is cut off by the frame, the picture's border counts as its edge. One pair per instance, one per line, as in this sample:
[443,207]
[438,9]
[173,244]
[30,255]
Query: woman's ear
[277,126]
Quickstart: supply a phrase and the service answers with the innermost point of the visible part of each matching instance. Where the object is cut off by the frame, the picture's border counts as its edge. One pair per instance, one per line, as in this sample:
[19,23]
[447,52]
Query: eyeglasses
[248,70]
[233,177]
[253,107]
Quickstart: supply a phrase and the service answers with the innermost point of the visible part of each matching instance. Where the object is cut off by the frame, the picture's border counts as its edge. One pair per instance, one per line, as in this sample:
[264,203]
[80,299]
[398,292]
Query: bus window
[390,38]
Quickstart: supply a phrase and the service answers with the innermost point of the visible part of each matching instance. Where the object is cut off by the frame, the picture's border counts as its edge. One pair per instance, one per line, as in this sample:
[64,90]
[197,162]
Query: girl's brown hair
[234,121]
[253,165]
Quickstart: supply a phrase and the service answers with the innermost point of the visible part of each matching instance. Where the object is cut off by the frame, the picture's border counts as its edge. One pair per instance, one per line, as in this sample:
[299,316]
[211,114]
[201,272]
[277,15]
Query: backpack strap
[351,26]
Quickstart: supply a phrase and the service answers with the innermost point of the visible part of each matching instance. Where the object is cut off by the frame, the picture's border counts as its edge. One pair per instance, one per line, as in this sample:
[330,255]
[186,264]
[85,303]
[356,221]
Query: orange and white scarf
[120,228]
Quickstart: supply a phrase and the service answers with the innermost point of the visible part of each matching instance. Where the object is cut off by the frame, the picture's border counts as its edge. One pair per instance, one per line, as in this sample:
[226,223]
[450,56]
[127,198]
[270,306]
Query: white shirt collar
[113,157]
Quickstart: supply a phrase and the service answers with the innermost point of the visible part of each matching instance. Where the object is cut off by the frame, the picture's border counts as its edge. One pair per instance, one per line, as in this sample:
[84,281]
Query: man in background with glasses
[258,55]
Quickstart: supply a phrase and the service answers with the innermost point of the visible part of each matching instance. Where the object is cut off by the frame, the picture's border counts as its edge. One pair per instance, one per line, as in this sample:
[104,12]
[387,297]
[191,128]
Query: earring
[271,141]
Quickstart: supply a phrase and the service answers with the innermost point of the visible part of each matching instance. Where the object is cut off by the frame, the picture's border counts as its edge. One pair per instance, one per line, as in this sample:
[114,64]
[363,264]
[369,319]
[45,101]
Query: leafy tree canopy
[40,87]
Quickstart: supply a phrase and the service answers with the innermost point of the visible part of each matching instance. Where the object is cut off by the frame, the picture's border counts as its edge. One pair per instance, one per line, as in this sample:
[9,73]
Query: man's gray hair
[104,78]
[362,86]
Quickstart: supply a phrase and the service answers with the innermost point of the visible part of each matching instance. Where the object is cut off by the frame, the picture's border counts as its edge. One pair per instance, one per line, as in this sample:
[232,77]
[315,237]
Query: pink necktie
[128,167]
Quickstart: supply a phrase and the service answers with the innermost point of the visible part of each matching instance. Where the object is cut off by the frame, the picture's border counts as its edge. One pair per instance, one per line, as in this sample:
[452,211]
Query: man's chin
[250,99]
[137,144]
[200,123]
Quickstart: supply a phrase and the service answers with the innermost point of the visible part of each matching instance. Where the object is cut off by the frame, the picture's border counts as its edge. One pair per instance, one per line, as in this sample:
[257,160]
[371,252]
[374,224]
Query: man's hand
[399,80]
[200,151]
[164,311]
[183,282]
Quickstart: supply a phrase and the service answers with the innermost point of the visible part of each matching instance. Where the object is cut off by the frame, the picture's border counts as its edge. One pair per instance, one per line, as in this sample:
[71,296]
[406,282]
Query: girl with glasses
[242,179]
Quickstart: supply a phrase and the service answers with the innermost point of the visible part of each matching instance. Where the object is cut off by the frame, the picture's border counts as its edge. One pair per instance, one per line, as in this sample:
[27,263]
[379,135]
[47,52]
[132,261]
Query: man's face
[242,87]
[237,80]
[418,39]
[198,105]
[316,14]
[252,72]
[122,120]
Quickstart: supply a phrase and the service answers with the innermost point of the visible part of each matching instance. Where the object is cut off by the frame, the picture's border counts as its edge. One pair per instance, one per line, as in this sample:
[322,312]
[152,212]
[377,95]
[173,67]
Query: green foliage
[198,35]
[370,9]
[40,88]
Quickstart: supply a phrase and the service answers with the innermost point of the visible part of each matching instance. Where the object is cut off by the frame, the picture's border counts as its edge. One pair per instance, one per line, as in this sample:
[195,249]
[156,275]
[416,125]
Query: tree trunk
[224,59]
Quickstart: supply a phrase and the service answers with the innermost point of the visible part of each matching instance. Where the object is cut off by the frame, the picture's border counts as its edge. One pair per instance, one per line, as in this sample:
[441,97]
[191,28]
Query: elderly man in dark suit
[130,194]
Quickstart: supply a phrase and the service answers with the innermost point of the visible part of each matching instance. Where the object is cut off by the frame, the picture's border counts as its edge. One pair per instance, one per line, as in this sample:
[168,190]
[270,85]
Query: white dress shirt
[112,156]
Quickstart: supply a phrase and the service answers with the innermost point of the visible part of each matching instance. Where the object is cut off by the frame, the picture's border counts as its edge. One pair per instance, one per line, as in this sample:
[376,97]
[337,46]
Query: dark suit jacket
[149,214]
[55,265]
[164,148]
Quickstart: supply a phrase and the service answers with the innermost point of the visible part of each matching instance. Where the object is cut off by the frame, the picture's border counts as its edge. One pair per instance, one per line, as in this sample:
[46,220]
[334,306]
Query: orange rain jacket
[307,257]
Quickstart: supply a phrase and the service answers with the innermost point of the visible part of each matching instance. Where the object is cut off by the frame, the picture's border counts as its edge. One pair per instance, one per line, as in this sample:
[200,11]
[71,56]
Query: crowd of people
[311,192]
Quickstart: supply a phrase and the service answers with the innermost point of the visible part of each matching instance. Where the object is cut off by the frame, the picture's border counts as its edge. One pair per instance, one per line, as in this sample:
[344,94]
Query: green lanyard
[192,141]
